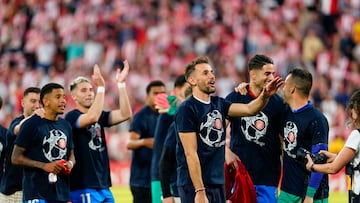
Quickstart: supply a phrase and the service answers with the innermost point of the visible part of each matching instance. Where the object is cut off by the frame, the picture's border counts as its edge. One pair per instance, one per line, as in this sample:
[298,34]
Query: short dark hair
[180,81]
[31,90]
[155,83]
[302,80]
[258,61]
[190,68]
[48,88]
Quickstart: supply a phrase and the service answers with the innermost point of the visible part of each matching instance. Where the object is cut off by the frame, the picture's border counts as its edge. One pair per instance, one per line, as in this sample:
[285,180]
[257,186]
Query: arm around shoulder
[250,109]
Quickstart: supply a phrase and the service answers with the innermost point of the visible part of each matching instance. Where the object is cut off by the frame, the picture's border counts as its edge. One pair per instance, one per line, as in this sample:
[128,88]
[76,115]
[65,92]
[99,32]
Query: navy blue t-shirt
[170,140]
[303,128]
[256,139]
[144,124]
[162,126]
[92,168]
[11,180]
[170,144]
[207,120]
[45,141]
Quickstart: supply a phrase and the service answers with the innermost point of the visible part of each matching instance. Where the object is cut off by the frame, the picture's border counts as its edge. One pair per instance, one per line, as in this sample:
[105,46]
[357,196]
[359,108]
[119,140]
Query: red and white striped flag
[329,7]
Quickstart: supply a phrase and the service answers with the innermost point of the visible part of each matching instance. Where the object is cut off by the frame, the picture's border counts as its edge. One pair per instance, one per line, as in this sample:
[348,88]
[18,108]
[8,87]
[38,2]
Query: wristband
[121,84]
[100,89]
[71,164]
[199,189]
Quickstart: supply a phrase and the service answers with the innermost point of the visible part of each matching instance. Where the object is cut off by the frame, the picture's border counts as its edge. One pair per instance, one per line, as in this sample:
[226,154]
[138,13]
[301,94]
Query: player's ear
[45,101]
[72,94]
[252,74]
[293,90]
[191,80]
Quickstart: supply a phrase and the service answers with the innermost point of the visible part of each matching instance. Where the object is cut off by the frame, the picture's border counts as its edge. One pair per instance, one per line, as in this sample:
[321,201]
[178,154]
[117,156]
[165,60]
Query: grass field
[123,195]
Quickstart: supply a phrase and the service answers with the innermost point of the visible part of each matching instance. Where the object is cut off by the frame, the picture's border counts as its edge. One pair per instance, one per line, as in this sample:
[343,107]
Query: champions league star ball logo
[54,145]
[96,142]
[254,127]
[290,134]
[213,128]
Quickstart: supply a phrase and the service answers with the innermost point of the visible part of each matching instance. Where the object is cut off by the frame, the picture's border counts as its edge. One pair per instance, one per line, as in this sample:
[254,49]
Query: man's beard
[209,90]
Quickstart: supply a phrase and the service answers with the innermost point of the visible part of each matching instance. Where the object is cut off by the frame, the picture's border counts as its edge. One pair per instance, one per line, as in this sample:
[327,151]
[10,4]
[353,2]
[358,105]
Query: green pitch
[122,194]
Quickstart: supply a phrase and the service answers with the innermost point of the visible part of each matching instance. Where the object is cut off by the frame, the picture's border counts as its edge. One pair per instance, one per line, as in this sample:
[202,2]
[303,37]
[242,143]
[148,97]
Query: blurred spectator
[42,41]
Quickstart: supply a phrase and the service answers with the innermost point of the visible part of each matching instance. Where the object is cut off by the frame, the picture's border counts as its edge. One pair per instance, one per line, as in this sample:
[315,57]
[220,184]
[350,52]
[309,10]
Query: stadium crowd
[53,40]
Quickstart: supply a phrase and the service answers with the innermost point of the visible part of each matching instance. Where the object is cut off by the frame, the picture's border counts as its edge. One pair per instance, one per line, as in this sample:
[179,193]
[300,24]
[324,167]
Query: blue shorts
[43,201]
[266,194]
[92,196]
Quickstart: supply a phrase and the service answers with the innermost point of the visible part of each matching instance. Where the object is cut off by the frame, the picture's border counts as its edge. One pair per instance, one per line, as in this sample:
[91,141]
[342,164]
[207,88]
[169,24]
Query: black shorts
[141,194]
[353,198]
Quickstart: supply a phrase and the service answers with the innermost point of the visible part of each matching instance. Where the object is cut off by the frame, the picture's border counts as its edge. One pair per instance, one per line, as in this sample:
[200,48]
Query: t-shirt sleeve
[230,98]
[26,131]
[104,119]
[70,136]
[353,140]
[12,127]
[137,125]
[319,128]
[3,132]
[226,105]
[185,119]
[72,118]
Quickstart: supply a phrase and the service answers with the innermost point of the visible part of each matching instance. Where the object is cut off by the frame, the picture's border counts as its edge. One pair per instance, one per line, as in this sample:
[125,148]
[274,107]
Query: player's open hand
[161,103]
[272,87]
[97,77]
[40,112]
[241,88]
[121,74]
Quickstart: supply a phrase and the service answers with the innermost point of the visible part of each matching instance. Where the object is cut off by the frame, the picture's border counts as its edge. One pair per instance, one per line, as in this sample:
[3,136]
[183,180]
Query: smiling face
[83,95]
[203,78]
[261,77]
[30,103]
[55,102]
